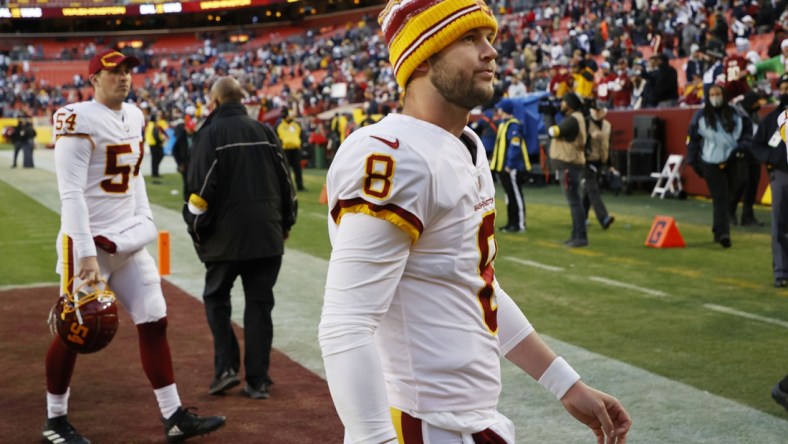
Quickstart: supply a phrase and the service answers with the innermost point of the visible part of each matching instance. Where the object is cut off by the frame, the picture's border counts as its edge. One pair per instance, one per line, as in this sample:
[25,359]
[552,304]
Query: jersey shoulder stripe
[398,216]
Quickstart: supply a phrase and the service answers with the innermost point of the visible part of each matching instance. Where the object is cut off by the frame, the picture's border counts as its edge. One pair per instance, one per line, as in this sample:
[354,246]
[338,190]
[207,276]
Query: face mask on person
[715,101]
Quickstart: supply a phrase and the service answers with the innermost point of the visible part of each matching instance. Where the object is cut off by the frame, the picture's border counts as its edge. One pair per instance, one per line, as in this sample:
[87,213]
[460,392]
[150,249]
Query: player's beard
[459,88]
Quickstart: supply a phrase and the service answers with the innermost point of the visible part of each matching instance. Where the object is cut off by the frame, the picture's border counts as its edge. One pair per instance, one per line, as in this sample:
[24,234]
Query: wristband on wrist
[559,377]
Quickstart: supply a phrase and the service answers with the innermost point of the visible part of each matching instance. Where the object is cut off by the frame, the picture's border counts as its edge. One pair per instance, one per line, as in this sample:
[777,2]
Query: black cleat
[184,424]
[257,393]
[59,430]
[227,380]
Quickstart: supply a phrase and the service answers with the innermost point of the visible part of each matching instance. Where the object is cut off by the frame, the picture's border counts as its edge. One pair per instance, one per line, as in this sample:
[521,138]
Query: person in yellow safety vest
[289,133]
[155,138]
[337,131]
[510,164]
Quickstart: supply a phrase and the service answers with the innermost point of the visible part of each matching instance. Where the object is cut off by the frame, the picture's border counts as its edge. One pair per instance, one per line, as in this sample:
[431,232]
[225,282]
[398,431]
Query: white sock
[57,405]
[168,399]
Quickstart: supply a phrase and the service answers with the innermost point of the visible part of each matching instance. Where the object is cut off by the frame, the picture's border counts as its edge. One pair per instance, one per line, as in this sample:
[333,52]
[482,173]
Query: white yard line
[534,264]
[744,314]
[663,410]
[614,283]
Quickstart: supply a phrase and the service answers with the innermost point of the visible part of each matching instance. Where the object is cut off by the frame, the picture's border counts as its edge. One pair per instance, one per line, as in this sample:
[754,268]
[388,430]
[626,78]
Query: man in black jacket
[769,148]
[240,210]
[665,81]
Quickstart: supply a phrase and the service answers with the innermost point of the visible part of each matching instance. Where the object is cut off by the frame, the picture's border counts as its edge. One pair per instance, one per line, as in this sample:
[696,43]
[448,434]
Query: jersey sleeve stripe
[68,264]
[396,215]
[80,135]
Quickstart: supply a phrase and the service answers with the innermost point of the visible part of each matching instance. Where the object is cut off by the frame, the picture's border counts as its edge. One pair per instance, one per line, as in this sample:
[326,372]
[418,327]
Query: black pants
[745,188]
[258,277]
[515,202]
[156,156]
[719,178]
[570,181]
[779,184]
[17,149]
[592,196]
[294,159]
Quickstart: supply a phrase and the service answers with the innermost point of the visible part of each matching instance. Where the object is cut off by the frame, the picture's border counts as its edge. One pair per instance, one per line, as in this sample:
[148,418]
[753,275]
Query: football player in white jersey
[414,322]
[105,223]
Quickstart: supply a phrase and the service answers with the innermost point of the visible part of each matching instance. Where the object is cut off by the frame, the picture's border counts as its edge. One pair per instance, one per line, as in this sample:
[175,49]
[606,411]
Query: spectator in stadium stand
[780,33]
[715,133]
[714,54]
[290,134]
[695,65]
[719,28]
[665,80]
[776,64]
[621,86]
[605,85]
[641,89]
[693,93]
[735,76]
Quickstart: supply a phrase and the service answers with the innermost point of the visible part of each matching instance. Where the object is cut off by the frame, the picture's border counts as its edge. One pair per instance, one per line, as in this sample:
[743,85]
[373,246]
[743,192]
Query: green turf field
[702,315]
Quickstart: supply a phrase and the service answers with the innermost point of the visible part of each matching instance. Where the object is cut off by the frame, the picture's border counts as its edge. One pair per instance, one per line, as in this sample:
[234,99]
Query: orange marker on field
[164,252]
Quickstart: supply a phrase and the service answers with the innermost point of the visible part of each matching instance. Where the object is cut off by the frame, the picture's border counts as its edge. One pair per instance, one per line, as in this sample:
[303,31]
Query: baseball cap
[109,59]
[783,78]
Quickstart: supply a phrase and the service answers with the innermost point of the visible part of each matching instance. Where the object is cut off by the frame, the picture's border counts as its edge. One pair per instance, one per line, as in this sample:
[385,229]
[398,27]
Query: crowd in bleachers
[616,52]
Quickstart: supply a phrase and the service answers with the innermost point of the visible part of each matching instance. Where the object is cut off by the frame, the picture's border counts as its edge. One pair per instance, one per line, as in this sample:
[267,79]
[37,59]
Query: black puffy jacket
[239,174]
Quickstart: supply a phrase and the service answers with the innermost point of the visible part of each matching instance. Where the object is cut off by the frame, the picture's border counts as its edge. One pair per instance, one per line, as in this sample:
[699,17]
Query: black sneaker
[780,283]
[608,222]
[59,430]
[751,221]
[257,393]
[184,424]
[227,380]
[725,241]
[780,397]
[576,243]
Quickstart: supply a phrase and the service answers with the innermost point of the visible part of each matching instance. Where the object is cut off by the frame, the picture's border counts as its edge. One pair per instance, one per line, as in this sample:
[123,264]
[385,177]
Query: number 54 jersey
[98,153]
[438,339]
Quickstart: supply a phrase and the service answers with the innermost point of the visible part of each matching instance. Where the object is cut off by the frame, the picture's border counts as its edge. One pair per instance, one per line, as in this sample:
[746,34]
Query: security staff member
[509,164]
[769,147]
[240,211]
[289,132]
[567,156]
[599,131]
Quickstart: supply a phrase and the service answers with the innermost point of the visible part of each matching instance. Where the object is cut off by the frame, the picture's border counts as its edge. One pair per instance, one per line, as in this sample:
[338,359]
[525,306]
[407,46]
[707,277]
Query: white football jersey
[98,154]
[438,340]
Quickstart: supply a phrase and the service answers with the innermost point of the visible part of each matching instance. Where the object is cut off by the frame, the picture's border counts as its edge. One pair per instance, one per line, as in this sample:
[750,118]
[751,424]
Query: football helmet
[85,321]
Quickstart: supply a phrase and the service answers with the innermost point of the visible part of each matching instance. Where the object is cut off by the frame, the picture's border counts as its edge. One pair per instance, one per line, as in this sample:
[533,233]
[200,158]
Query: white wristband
[559,377]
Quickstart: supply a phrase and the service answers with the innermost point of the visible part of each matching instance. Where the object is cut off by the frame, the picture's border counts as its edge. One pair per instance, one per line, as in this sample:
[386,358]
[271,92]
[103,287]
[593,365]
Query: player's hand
[602,413]
[89,270]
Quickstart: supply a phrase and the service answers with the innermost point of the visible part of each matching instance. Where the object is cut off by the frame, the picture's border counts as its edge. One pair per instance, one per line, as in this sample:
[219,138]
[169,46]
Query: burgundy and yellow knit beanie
[416,29]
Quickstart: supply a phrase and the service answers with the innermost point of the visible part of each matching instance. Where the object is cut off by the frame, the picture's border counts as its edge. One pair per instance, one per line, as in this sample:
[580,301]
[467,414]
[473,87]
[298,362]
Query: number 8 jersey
[439,338]
[98,153]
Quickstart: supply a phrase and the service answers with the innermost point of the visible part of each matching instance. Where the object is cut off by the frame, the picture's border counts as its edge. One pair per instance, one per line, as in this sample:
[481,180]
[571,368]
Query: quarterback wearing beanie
[431,26]
[412,350]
